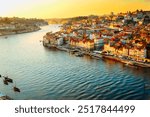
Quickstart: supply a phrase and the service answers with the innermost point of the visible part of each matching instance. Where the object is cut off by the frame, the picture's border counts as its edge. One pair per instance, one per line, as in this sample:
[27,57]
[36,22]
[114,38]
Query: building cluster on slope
[123,34]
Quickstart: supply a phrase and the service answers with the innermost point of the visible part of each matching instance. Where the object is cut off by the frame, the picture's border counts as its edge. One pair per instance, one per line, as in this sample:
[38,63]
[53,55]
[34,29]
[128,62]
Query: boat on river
[5,82]
[4,97]
[8,79]
[73,51]
[130,63]
[96,56]
[16,89]
[62,48]
[79,54]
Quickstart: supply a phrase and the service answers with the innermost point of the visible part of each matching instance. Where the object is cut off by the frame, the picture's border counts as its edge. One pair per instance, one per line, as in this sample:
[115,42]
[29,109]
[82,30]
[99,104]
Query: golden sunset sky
[67,8]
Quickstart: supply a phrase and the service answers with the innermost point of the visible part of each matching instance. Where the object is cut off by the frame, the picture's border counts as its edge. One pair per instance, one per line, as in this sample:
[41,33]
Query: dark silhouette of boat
[4,97]
[73,51]
[16,89]
[0,75]
[8,79]
[5,82]
[79,54]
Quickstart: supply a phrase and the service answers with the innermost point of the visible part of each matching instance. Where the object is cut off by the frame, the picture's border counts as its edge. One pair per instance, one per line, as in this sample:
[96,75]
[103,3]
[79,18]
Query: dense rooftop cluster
[123,34]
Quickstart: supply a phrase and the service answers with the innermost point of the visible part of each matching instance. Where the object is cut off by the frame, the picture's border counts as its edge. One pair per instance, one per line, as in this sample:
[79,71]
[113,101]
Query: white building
[60,41]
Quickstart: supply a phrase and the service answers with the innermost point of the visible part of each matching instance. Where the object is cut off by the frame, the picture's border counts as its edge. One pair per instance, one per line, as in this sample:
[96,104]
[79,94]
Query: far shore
[19,32]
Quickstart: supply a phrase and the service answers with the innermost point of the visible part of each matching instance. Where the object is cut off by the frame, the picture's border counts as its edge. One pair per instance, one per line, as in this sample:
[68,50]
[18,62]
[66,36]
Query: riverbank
[127,62]
[4,33]
[99,56]
[15,25]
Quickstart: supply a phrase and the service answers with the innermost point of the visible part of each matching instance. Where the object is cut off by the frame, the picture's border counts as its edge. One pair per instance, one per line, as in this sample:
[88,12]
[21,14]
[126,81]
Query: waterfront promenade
[100,56]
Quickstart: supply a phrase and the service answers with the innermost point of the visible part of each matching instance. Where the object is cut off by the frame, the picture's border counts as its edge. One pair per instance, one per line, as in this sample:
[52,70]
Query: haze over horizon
[67,8]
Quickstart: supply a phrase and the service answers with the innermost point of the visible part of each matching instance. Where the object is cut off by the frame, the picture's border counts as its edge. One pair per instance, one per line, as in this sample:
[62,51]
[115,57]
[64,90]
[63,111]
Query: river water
[46,74]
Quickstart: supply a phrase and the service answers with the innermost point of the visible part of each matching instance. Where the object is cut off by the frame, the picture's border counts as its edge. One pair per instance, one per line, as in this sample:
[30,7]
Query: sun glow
[68,8]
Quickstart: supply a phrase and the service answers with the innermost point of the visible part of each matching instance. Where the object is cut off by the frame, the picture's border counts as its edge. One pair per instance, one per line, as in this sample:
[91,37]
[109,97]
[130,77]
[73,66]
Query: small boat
[131,64]
[8,79]
[95,57]
[4,97]
[16,89]
[79,55]
[73,51]
[5,82]
[6,37]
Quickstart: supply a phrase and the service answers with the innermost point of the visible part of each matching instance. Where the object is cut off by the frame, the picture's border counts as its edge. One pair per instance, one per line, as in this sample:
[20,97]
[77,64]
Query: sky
[67,8]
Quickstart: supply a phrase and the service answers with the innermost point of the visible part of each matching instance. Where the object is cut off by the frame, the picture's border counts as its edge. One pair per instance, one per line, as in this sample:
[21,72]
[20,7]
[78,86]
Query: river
[46,74]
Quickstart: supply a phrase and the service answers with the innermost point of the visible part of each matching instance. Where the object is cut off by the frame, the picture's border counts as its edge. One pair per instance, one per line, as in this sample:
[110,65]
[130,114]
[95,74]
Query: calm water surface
[41,73]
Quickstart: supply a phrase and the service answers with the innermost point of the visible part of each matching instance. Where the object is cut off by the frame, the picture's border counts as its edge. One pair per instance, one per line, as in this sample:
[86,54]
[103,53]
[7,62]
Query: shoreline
[128,62]
[21,32]
[100,56]
[4,97]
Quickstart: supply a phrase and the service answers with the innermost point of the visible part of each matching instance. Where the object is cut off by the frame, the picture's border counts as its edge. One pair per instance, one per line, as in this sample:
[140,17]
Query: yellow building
[85,44]
[109,48]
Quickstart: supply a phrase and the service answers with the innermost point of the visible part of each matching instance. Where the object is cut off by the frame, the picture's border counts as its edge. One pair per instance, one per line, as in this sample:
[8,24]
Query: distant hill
[17,25]
[65,20]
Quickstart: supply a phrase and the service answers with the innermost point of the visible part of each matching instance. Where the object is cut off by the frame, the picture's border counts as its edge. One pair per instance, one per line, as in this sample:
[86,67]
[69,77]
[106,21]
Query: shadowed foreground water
[41,73]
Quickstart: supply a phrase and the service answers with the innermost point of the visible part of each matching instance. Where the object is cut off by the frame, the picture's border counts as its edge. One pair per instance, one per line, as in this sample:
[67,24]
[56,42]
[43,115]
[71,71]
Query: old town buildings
[123,34]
